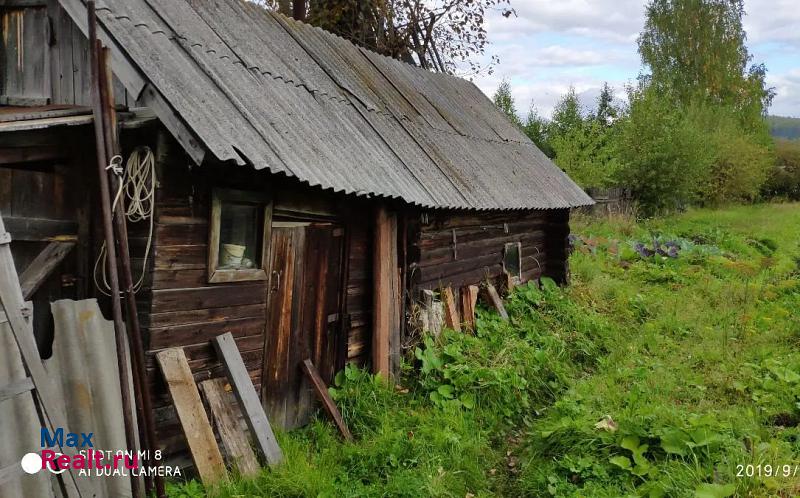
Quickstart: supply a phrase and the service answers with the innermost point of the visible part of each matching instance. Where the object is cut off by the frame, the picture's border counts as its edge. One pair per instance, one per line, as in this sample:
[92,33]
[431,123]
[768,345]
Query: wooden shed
[307,191]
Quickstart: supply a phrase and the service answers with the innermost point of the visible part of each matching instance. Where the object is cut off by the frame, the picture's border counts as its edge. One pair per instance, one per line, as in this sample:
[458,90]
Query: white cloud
[776,21]
[551,45]
[787,86]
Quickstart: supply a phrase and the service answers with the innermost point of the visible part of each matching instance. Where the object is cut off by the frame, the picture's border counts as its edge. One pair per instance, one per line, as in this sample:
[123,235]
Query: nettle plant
[508,369]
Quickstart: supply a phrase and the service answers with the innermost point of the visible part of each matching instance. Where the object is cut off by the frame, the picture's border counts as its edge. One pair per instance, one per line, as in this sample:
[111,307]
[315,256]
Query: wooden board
[15,388]
[451,318]
[192,415]
[51,404]
[321,390]
[469,299]
[41,267]
[226,420]
[495,300]
[248,400]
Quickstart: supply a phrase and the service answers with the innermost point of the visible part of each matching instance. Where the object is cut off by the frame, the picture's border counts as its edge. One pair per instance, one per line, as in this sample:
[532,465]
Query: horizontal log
[179,279]
[439,238]
[478,248]
[205,315]
[17,155]
[185,234]
[222,296]
[205,351]
[426,274]
[185,256]
[185,335]
[448,220]
[40,229]
[473,276]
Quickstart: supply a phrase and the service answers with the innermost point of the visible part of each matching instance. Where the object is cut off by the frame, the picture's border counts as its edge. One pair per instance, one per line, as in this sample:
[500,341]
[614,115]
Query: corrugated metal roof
[258,88]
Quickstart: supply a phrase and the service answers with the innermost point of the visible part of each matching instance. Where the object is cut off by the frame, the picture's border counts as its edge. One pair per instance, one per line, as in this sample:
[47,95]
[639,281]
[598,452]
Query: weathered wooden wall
[45,193]
[359,290]
[460,249]
[180,308]
[44,57]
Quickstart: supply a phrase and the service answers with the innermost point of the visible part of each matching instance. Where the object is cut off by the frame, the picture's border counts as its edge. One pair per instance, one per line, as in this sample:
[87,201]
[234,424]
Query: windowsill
[245,275]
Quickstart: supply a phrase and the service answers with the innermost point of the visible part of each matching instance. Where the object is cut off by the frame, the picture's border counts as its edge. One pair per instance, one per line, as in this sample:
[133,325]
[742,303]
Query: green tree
[537,129]
[505,102]
[784,178]
[663,153]
[584,148]
[567,114]
[606,111]
[696,48]
[587,153]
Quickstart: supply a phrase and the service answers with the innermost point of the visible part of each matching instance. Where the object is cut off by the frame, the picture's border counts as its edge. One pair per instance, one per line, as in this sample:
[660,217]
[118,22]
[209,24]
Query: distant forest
[784,127]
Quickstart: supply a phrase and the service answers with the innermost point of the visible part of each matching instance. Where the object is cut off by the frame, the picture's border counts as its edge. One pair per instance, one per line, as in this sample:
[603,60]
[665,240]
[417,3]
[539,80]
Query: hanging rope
[137,182]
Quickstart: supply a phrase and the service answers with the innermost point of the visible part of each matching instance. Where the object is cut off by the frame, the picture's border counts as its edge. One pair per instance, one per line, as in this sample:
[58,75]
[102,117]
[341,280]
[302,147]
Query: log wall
[180,308]
[460,249]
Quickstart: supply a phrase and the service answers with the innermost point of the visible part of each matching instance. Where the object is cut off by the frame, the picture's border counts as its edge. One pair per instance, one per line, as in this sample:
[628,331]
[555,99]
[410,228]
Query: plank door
[303,317]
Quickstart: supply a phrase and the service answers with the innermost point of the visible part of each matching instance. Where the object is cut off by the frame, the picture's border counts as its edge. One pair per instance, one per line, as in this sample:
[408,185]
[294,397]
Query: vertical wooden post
[386,295]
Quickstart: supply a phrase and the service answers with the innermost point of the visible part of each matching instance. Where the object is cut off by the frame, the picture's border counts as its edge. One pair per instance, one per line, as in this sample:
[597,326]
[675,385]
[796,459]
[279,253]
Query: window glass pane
[239,240]
[511,261]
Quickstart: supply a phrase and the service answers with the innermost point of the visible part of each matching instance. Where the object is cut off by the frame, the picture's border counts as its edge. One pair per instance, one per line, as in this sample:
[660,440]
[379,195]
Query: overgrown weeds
[652,375]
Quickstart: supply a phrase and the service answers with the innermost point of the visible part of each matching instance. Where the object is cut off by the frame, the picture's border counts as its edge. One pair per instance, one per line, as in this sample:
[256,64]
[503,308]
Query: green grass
[648,376]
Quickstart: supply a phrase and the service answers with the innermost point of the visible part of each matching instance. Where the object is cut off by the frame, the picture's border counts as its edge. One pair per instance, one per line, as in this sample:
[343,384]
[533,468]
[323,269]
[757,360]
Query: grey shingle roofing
[257,88]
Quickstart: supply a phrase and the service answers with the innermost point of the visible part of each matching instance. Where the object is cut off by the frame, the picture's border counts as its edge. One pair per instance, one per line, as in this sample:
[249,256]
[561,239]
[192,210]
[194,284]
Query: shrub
[784,178]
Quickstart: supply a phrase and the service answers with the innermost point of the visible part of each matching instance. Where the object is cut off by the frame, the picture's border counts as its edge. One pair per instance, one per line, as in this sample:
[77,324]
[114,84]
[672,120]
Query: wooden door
[303,316]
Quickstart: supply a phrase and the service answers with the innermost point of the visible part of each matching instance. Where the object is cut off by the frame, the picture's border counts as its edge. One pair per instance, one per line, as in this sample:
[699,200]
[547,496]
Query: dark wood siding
[46,195]
[180,308]
[460,249]
[44,58]
[359,291]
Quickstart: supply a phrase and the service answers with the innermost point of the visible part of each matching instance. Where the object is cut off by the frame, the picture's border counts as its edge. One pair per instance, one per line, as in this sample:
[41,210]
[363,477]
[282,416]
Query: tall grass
[648,376]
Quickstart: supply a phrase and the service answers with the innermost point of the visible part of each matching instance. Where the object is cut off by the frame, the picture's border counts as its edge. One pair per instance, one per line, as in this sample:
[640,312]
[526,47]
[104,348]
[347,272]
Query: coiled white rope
[137,182]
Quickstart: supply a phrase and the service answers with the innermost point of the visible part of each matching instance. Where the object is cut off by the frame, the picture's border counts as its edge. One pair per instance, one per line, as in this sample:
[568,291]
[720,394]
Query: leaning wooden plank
[192,415]
[234,440]
[15,388]
[322,394]
[51,404]
[451,318]
[494,299]
[469,298]
[248,400]
[10,472]
[41,267]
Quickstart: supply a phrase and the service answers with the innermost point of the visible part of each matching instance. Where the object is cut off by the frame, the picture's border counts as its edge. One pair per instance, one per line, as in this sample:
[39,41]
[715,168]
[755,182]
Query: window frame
[218,196]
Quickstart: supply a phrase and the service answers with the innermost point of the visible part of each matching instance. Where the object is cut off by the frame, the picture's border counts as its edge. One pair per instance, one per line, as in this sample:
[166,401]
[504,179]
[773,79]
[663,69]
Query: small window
[512,261]
[239,236]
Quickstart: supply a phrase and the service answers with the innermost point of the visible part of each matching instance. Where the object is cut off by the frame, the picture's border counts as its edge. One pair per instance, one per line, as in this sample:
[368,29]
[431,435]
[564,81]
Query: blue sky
[553,44]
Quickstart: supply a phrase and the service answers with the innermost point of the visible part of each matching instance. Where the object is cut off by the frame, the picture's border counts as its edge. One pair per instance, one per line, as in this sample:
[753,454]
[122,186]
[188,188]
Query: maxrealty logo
[86,458]
[89,461]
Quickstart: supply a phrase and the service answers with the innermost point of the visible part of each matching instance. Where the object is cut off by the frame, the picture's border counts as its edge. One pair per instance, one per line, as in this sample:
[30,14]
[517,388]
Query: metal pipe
[108,231]
[141,391]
